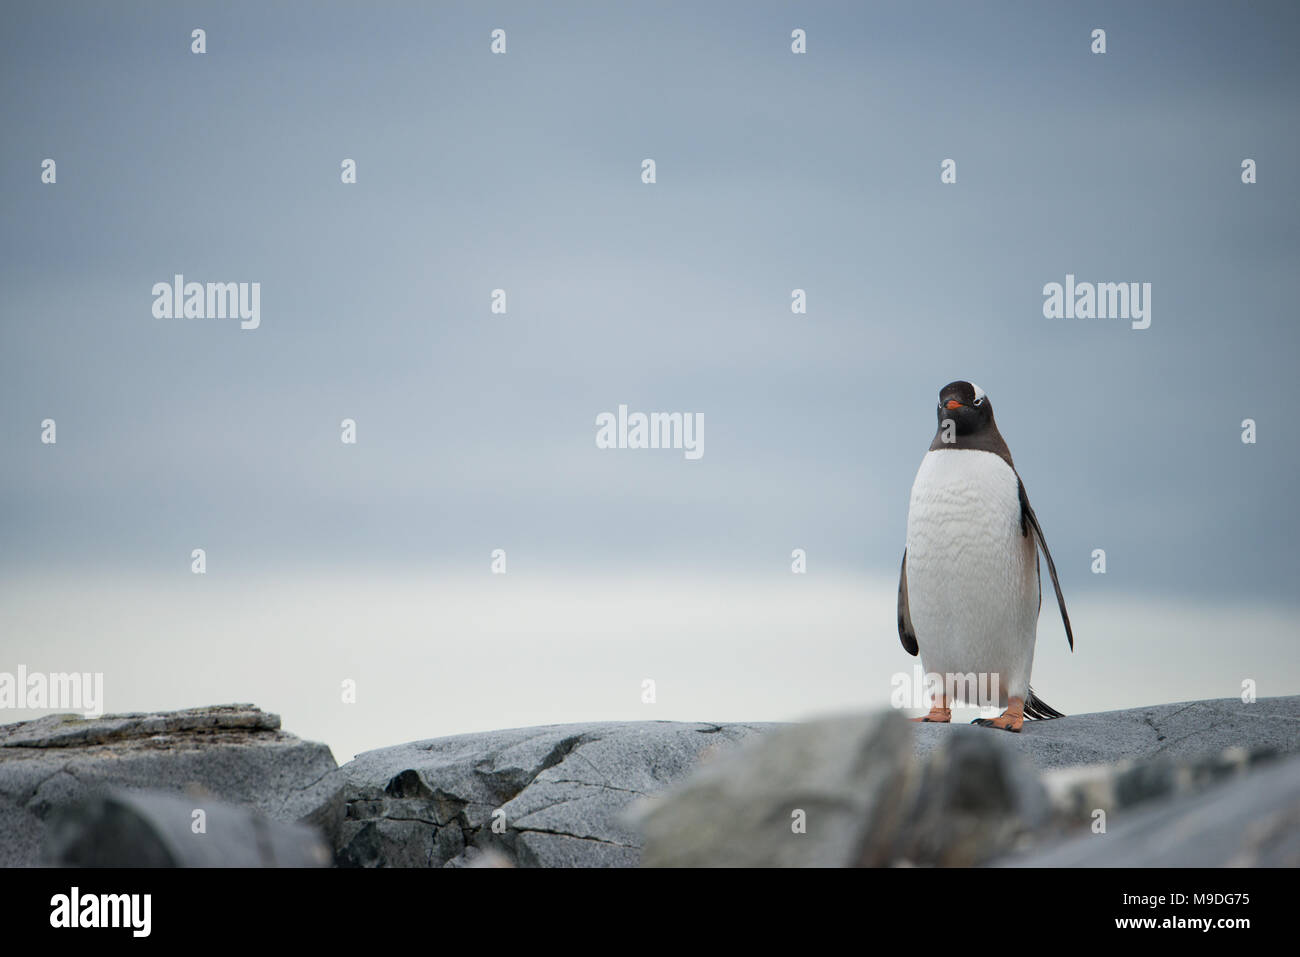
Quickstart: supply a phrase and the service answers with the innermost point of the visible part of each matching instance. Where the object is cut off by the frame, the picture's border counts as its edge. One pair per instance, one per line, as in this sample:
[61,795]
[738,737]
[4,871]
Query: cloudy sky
[371,562]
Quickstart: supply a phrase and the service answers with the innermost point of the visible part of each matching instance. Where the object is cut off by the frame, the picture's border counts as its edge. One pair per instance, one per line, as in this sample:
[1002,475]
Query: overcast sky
[476,431]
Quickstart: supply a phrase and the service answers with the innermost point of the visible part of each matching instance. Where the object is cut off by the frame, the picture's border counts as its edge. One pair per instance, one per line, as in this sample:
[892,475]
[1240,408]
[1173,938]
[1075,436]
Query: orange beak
[952,404]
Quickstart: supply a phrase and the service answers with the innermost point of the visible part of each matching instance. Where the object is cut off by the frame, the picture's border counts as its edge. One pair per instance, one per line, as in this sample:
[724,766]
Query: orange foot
[1013,719]
[936,716]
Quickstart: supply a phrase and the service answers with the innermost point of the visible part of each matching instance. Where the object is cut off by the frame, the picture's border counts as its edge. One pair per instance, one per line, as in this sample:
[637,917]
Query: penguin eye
[979,400]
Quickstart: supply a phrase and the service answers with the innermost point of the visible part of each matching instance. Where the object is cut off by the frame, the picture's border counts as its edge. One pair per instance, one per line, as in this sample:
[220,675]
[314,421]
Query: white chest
[971,576]
[964,501]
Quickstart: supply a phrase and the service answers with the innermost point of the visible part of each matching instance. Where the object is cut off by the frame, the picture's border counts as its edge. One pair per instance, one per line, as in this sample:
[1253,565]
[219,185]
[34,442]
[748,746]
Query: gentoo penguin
[969,591]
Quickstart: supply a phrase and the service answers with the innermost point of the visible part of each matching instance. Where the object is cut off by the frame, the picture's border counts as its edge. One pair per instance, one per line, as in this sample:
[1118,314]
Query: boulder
[234,753]
[142,828]
[848,791]
[555,794]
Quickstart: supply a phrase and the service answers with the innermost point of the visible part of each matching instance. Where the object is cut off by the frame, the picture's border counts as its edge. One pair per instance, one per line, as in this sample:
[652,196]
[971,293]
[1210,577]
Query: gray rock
[1251,821]
[158,829]
[861,795]
[564,790]
[1077,794]
[235,753]
[952,794]
[802,795]
[925,794]
[560,791]
[976,799]
[1175,730]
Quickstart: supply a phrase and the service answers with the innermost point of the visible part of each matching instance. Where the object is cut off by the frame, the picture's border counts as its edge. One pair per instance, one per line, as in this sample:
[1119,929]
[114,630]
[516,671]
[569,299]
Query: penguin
[969,590]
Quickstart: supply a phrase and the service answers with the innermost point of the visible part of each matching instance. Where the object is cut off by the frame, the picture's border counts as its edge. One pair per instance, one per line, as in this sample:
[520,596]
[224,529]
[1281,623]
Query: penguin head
[967,405]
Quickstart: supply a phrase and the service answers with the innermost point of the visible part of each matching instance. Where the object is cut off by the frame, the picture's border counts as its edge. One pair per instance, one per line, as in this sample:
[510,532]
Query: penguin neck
[985,440]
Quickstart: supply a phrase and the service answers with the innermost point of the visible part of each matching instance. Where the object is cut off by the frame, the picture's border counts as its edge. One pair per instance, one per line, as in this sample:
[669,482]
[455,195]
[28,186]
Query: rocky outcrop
[1186,783]
[234,753]
[875,790]
[534,797]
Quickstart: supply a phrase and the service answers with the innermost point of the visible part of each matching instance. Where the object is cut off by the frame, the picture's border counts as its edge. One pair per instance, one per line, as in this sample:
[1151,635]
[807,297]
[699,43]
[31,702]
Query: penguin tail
[1036,707]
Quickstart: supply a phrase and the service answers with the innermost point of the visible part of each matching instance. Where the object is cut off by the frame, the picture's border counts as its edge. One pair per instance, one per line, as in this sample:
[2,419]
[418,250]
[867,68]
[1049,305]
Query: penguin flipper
[1028,520]
[906,634]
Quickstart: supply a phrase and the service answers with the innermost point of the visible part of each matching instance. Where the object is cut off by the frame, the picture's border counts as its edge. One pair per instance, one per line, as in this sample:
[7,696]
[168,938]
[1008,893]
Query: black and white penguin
[969,591]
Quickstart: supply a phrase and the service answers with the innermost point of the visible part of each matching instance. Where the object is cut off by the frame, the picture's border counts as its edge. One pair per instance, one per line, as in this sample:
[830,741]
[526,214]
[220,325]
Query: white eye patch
[979,393]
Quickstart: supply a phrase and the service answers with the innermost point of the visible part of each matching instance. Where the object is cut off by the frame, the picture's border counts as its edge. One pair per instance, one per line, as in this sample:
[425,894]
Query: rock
[157,829]
[1174,730]
[473,857]
[1077,794]
[839,775]
[861,793]
[234,753]
[874,789]
[556,794]
[1249,821]
[976,799]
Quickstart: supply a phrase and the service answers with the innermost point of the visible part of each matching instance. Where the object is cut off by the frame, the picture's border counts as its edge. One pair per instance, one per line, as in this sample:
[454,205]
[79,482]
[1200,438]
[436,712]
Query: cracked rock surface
[1179,730]
[556,794]
[236,753]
